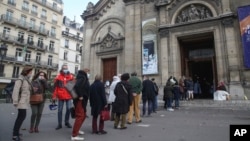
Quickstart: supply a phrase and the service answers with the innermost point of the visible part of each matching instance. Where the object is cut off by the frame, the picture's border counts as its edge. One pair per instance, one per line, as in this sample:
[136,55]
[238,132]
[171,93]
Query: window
[44,1]
[34,9]
[6,32]
[20,37]
[19,55]
[38,58]
[44,13]
[25,6]
[9,15]
[30,40]
[77,47]
[67,30]
[67,43]
[53,31]
[15,72]
[54,18]
[77,59]
[54,5]
[76,69]
[49,74]
[23,20]
[40,42]
[50,58]
[32,23]
[65,55]
[51,45]
[42,27]
[36,71]
[12,2]
[27,56]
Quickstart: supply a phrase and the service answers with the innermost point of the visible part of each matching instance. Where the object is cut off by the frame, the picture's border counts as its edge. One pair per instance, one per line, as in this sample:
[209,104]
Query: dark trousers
[37,110]
[144,106]
[19,121]
[79,119]
[94,124]
[119,117]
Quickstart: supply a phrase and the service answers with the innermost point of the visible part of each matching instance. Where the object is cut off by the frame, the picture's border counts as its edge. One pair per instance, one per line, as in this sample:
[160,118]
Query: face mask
[40,77]
[88,75]
[65,71]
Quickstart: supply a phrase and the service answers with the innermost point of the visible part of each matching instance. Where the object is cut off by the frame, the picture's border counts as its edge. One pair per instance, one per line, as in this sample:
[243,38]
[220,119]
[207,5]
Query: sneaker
[81,132]
[170,109]
[76,138]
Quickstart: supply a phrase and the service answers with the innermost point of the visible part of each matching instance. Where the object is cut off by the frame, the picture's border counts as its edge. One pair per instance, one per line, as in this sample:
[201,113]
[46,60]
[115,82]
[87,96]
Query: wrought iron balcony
[50,6]
[72,36]
[23,24]
[11,2]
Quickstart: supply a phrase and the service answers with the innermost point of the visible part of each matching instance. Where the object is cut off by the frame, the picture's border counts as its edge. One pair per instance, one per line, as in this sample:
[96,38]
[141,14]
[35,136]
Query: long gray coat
[22,100]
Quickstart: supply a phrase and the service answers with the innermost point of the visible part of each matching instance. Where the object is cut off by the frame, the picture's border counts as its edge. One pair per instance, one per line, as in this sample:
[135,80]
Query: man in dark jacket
[148,95]
[98,102]
[82,91]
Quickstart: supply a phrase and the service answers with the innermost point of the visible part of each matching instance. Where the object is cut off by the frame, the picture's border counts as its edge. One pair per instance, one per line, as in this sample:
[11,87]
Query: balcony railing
[23,24]
[72,36]
[50,6]
[32,62]
[13,3]
[25,8]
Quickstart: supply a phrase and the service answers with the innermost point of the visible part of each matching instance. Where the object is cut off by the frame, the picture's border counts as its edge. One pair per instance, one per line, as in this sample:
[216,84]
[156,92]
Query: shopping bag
[105,114]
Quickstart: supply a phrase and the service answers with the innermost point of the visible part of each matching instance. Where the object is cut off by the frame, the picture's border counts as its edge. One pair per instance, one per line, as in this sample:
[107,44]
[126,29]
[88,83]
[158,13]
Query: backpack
[10,87]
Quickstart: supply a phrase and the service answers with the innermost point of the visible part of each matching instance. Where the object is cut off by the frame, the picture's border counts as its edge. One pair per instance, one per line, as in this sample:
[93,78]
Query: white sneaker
[76,138]
[81,132]
[170,109]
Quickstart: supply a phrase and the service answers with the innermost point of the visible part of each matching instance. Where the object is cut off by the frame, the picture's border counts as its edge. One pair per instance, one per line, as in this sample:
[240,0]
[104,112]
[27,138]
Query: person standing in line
[148,95]
[168,95]
[197,89]
[63,96]
[182,88]
[134,108]
[190,88]
[40,85]
[123,100]
[155,101]
[112,96]
[82,90]
[176,92]
[21,99]
[98,102]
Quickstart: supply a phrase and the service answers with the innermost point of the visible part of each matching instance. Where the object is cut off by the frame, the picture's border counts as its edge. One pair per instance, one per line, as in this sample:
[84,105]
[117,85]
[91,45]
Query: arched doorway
[198,61]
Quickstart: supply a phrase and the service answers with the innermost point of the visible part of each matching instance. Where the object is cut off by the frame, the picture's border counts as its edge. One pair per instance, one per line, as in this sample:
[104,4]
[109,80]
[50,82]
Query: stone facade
[182,32]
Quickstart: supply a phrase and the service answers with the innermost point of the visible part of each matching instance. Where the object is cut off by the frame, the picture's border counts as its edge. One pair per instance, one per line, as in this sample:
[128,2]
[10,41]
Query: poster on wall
[149,47]
[244,18]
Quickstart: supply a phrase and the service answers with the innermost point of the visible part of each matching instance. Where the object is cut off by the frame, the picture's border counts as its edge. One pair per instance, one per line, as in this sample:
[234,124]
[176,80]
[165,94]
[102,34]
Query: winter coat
[39,87]
[176,91]
[136,84]
[21,92]
[168,92]
[123,98]
[97,98]
[82,87]
[148,92]
[60,91]
[111,98]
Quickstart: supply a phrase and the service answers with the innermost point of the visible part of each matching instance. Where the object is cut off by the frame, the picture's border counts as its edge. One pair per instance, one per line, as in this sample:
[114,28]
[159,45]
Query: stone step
[230,104]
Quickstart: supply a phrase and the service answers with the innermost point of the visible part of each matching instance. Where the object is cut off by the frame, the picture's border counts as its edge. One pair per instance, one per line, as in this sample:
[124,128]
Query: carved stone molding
[164,33]
[193,12]
[228,22]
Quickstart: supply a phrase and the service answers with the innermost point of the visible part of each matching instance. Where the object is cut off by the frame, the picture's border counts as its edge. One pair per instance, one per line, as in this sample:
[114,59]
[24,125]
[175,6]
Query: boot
[36,130]
[31,130]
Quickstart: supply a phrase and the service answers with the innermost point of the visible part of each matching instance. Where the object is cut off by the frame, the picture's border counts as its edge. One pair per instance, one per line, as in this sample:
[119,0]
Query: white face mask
[88,75]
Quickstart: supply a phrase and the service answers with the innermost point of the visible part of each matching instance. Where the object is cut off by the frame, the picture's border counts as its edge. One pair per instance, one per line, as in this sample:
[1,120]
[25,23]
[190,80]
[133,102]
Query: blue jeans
[155,104]
[60,110]
[144,107]
[169,102]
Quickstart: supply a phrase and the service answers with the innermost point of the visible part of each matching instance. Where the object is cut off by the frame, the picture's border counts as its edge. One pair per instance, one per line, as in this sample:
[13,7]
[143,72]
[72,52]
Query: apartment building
[30,32]
[71,45]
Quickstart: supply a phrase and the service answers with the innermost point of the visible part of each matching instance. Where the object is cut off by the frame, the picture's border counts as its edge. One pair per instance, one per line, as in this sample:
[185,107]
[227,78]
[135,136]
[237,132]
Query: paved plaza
[189,123]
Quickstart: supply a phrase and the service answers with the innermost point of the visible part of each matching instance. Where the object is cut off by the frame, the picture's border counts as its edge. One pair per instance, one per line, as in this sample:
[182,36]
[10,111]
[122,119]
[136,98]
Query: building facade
[31,31]
[200,39]
[71,45]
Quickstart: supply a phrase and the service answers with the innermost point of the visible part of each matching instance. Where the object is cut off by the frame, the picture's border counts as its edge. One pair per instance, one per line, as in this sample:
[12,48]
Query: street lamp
[3,50]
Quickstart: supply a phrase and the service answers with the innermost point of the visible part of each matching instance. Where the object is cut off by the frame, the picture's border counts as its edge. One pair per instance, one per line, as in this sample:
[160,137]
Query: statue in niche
[184,16]
[193,13]
[202,15]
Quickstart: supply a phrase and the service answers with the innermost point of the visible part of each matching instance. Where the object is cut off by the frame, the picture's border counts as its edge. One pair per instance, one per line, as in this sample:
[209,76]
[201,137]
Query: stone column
[88,31]
[164,58]
[225,6]
[233,57]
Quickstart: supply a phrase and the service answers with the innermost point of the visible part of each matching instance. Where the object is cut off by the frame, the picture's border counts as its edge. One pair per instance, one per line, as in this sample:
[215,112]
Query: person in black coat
[123,93]
[148,94]
[98,102]
[82,91]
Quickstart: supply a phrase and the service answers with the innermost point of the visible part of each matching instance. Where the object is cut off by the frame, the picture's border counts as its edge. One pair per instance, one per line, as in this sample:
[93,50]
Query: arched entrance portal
[198,61]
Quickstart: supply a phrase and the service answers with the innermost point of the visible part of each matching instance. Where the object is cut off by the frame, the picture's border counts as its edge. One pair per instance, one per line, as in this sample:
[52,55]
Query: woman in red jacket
[62,95]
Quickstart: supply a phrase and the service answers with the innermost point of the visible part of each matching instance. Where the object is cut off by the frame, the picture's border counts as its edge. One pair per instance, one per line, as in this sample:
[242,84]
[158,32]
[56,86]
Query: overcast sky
[75,8]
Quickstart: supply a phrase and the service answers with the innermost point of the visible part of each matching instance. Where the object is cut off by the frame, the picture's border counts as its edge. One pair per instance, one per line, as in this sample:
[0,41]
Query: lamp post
[3,50]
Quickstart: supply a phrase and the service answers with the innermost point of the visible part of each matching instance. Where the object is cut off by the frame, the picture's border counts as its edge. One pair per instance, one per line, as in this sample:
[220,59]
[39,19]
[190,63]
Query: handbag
[70,88]
[36,98]
[105,114]
[73,112]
